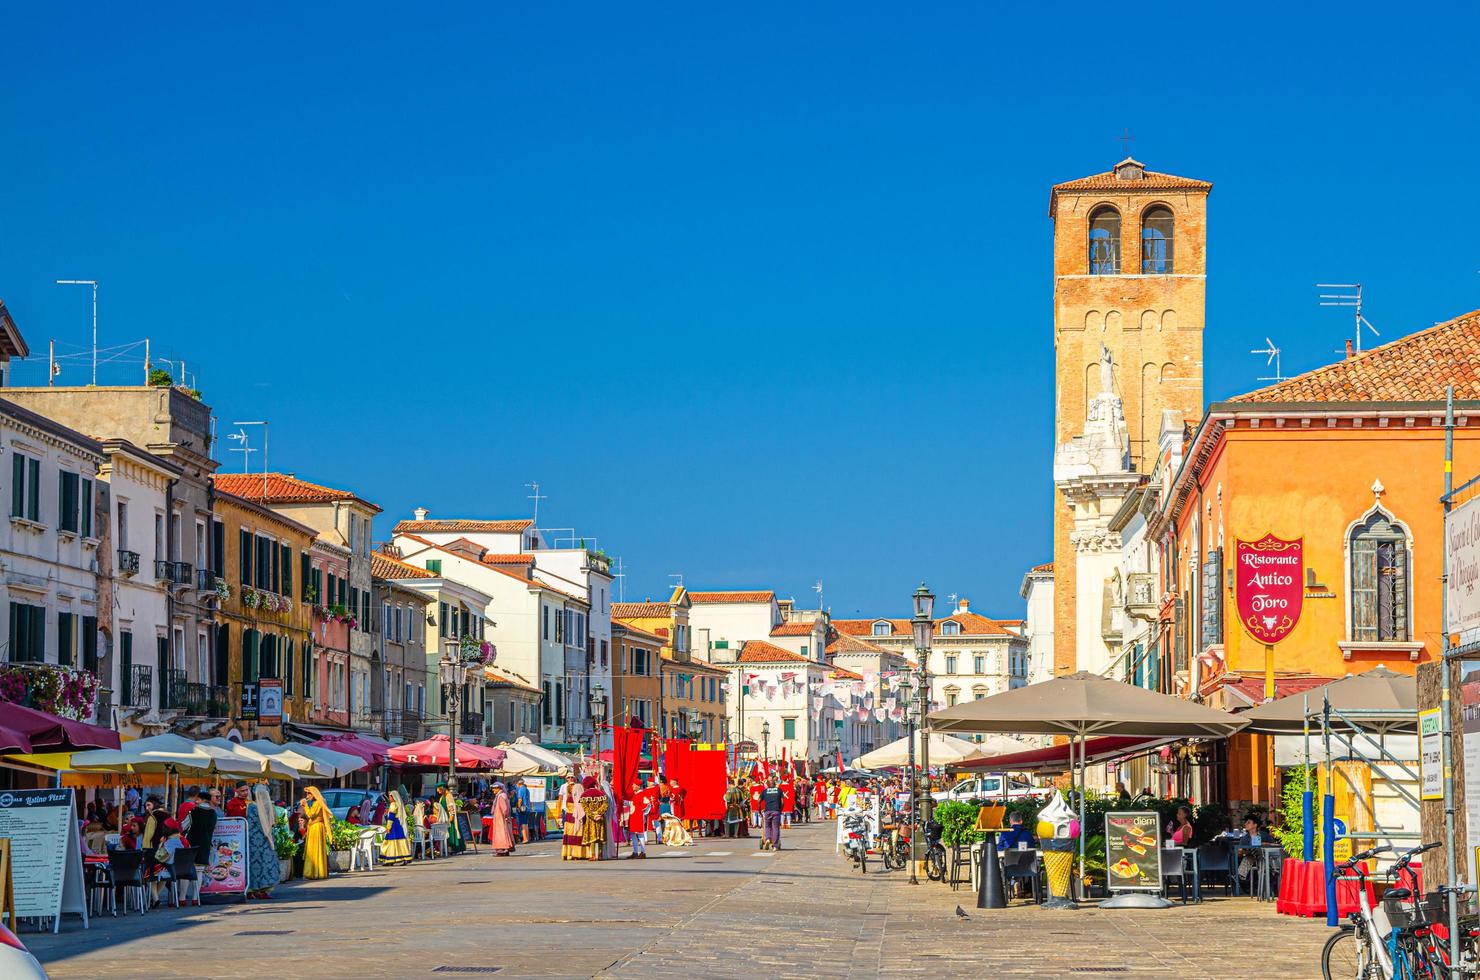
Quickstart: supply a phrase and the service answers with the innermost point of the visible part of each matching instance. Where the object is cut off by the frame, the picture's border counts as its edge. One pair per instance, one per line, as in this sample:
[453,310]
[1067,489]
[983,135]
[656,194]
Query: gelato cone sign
[1268,577]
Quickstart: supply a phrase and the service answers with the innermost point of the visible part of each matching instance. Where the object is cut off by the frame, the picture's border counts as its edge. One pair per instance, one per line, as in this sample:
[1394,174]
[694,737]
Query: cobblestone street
[719,909]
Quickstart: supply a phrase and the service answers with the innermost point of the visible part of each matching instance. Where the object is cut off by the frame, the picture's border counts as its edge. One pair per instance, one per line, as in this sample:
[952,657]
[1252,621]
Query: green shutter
[244,556]
[17,488]
[65,635]
[288,668]
[86,508]
[90,643]
[249,656]
[33,489]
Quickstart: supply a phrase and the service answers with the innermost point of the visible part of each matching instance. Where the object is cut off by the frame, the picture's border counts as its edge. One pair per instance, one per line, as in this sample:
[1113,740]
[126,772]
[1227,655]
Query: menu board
[1133,851]
[226,872]
[46,856]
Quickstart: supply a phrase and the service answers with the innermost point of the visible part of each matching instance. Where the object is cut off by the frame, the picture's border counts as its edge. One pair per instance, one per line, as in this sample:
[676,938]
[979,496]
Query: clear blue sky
[760,295]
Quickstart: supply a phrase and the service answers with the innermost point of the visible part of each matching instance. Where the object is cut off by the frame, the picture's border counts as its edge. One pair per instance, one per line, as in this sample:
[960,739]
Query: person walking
[757,790]
[771,815]
[523,812]
[788,799]
[735,811]
[199,825]
[500,832]
[319,820]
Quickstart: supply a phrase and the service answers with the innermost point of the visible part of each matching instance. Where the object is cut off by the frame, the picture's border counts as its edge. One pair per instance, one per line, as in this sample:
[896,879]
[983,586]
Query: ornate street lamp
[923,626]
[905,690]
[766,741]
[598,715]
[453,674]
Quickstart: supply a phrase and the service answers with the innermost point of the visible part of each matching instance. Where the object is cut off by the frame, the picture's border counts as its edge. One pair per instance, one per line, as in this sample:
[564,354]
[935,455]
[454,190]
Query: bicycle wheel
[1346,957]
[935,864]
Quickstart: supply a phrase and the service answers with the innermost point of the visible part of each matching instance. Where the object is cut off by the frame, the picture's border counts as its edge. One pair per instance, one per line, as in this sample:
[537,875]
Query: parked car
[988,788]
[341,801]
[16,962]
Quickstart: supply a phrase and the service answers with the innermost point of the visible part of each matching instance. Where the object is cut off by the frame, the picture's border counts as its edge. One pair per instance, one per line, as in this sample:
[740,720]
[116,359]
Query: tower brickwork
[1130,277]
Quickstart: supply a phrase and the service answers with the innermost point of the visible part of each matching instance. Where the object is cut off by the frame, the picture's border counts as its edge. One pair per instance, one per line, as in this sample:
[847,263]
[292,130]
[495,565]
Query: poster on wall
[1133,851]
[270,701]
[46,856]
[226,872]
[1469,706]
[1430,755]
[1269,586]
[1462,563]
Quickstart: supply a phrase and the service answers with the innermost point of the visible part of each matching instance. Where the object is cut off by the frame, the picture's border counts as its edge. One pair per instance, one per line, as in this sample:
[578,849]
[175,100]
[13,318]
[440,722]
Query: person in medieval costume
[500,830]
[594,819]
[395,847]
[570,820]
[447,811]
[263,869]
[614,834]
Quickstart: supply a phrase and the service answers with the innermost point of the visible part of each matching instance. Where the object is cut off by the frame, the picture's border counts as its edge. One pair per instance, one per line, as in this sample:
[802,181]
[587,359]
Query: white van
[989,788]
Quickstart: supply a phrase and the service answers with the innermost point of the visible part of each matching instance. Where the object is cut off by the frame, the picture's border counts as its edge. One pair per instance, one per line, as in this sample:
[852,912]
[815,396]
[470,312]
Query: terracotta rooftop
[844,674]
[384,566]
[696,663]
[848,643]
[1045,567]
[761,652]
[495,677]
[640,610]
[698,597]
[282,488]
[1415,368]
[971,625]
[455,526]
[657,639]
[489,558]
[794,629]
[1129,176]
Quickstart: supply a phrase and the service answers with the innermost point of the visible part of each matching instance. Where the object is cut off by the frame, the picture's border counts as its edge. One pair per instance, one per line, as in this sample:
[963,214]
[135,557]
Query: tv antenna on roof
[1351,299]
[818,589]
[621,577]
[1273,358]
[679,576]
[536,496]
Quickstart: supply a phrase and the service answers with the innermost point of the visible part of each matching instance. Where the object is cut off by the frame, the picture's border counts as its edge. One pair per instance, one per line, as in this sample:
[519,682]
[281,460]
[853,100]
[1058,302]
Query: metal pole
[1328,818]
[95,334]
[929,801]
[914,803]
[1307,800]
[1451,852]
[453,699]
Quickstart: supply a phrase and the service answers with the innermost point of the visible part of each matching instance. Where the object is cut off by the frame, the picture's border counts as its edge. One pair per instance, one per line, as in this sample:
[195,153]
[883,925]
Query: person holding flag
[757,790]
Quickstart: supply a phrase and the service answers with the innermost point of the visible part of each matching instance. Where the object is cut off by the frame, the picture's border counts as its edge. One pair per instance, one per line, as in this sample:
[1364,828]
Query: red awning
[47,732]
[432,753]
[1055,758]
[372,750]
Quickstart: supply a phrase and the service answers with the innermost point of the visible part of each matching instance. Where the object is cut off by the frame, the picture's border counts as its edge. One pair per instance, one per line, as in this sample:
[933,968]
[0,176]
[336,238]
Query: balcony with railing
[173,572]
[472,724]
[138,687]
[173,695]
[128,562]
[205,580]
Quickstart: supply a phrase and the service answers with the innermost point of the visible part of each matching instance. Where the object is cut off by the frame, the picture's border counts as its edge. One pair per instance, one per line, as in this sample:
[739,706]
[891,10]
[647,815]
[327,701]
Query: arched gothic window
[1104,241]
[1157,233]
[1379,580]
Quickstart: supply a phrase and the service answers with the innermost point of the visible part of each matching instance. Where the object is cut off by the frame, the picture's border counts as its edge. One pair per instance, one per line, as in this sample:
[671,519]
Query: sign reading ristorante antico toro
[1269,586]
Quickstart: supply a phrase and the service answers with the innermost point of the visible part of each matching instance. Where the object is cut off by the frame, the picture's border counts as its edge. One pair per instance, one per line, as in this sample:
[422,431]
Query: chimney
[420,513]
[963,605]
[1348,349]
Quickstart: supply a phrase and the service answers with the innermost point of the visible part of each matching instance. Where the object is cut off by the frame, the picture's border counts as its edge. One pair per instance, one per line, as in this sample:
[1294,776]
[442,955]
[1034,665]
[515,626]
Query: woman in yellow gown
[316,837]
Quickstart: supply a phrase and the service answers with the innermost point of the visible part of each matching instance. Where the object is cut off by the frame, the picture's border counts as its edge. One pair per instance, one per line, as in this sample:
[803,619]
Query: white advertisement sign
[46,856]
[1430,755]
[1462,531]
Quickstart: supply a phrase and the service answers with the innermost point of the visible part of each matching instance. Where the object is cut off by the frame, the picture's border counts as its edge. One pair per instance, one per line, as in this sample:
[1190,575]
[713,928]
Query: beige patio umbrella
[311,761]
[265,765]
[154,754]
[1381,699]
[549,759]
[945,750]
[518,762]
[1084,704]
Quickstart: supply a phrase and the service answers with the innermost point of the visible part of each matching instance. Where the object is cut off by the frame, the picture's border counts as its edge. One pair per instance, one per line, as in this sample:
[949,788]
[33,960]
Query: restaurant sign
[1268,586]
[1133,850]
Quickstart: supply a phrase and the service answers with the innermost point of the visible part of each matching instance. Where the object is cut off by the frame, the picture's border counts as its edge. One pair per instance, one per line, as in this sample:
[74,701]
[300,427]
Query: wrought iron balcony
[471,724]
[128,562]
[205,580]
[219,701]
[138,687]
[174,572]
[172,690]
[195,700]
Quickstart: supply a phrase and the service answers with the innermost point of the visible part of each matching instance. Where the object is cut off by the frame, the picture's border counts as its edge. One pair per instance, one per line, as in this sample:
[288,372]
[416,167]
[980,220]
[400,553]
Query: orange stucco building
[1350,459]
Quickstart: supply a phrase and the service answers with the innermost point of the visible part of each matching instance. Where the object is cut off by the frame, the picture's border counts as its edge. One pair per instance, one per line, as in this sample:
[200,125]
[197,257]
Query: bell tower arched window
[1157,234]
[1104,241]
[1379,580]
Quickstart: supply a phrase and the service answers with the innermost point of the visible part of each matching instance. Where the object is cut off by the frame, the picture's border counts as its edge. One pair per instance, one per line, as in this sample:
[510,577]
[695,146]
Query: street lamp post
[766,741]
[598,715]
[453,673]
[923,625]
[909,725]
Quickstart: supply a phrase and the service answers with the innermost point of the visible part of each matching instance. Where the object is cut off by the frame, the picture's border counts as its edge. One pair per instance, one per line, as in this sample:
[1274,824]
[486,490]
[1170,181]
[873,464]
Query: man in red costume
[756,790]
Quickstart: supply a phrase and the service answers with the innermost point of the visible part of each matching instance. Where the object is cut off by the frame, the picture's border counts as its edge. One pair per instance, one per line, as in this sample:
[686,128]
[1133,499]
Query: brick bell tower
[1129,273]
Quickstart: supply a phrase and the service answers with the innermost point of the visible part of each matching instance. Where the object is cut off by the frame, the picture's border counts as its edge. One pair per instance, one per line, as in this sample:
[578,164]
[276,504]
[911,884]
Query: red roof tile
[1415,368]
[698,597]
[636,631]
[1045,567]
[971,625]
[384,566]
[1139,180]
[761,652]
[794,629]
[640,610]
[491,559]
[848,643]
[844,674]
[282,488]
[458,526]
[495,677]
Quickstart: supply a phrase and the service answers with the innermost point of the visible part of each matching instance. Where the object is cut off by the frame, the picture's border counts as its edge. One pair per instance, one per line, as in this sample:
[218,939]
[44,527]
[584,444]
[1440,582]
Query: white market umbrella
[518,762]
[309,766]
[343,763]
[551,760]
[265,764]
[945,750]
[154,754]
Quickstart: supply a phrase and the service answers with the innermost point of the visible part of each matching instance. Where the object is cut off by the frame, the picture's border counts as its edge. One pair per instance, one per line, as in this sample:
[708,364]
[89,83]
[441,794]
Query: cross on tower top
[1127,139]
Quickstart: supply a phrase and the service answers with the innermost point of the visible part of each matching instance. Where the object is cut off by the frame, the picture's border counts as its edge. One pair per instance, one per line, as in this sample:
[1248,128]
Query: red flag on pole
[840,760]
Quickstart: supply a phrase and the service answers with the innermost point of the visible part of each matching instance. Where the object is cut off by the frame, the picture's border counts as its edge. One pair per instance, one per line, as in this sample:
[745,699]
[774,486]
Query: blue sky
[759,295]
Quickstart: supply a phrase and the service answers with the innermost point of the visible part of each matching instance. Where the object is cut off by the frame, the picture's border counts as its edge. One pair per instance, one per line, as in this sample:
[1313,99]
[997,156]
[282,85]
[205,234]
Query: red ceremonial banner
[1269,586]
[626,753]
[705,774]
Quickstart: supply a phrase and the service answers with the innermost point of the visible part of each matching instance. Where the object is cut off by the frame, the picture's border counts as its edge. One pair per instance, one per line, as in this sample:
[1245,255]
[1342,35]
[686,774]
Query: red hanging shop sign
[1269,577]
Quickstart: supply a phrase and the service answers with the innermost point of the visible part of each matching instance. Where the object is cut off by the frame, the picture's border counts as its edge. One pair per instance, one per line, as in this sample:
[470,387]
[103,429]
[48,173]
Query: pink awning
[44,731]
[1055,758]
[372,750]
[433,753]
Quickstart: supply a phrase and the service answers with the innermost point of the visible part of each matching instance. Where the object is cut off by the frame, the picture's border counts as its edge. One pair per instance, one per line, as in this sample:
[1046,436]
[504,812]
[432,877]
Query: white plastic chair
[363,853]
[420,843]
[439,839]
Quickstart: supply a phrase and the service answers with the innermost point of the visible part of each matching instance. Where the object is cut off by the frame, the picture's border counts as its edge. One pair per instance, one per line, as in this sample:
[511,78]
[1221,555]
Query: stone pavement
[719,909]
